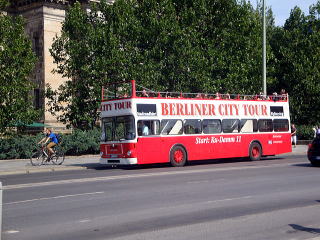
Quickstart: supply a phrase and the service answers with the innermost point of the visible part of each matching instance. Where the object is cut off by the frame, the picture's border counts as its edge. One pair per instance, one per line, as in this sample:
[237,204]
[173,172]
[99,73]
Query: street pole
[264,52]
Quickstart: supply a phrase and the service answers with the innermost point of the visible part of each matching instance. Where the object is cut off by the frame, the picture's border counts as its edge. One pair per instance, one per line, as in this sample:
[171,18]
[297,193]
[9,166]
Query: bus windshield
[118,128]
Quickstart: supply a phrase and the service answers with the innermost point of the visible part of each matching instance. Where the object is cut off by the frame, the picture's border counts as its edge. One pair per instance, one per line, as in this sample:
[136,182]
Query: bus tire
[255,151]
[178,156]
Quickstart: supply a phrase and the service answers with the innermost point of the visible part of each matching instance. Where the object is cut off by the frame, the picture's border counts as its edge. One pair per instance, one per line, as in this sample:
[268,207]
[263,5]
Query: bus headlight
[129,153]
[101,154]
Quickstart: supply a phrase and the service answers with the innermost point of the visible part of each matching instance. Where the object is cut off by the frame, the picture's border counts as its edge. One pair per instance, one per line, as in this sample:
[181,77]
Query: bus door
[148,142]
[265,126]
[281,137]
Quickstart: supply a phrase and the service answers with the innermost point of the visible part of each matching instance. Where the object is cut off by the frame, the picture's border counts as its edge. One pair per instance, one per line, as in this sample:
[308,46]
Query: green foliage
[82,142]
[79,142]
[18,146]
[305,132]
[297,63]
[3,4]
[189,46]
[16,64]
[167,45]
[77,99]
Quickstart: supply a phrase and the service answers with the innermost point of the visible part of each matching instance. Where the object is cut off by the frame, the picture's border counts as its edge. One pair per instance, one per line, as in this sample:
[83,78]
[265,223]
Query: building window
[36,99]
[36,42]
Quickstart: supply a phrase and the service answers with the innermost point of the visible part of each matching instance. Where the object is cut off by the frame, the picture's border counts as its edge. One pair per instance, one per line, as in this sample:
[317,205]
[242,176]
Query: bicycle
[41,156]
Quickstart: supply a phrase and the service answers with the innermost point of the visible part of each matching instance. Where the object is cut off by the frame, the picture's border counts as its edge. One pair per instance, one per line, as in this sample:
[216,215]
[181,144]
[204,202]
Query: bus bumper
[118,161]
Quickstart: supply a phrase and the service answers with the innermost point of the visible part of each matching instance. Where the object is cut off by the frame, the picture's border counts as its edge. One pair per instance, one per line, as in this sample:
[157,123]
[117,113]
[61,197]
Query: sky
[282,8]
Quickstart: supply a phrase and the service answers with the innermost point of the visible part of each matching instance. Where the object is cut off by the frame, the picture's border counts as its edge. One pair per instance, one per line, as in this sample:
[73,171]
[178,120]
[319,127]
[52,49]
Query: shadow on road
[229,160]
[303,165]
[98,166]
[305,229]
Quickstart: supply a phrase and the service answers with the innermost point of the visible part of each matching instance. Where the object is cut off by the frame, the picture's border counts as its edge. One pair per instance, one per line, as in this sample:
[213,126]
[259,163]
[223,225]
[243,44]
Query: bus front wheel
[178,156]
[255,151]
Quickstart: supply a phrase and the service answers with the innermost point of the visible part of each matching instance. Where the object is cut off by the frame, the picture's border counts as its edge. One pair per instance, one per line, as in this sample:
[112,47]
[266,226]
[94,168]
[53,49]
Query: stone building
[43,22]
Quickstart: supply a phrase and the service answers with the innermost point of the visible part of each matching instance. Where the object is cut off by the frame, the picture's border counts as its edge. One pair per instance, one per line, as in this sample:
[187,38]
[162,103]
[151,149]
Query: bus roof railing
[129,91]
[218,96]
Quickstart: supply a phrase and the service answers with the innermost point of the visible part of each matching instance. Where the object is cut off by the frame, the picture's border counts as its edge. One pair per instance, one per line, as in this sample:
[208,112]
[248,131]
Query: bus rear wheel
[255,151]
[178,156]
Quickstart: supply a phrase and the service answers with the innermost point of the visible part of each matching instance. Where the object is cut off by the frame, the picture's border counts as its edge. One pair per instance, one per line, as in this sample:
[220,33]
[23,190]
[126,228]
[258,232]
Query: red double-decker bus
[144,127]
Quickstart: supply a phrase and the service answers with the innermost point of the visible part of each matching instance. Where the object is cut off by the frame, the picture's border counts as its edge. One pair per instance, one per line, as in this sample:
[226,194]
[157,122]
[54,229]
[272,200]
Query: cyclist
[53,141]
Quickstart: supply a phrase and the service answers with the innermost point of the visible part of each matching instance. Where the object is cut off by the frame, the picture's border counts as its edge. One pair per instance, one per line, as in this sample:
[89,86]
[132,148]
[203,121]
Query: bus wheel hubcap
[178,156]
[255,152]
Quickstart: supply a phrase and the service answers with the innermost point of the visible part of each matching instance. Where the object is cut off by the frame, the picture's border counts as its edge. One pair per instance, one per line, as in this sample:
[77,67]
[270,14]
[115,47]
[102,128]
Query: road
[276,198]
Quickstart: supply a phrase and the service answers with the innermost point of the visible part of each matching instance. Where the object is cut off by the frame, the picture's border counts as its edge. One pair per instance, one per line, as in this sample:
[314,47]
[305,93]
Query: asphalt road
[277,198]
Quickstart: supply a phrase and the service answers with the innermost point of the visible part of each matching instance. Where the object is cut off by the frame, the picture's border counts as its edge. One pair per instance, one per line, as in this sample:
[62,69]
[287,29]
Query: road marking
[11,231]
[84,221]
[57,197]
[228,199]
[121,177]
[193,182]
[193,204]
[205,181]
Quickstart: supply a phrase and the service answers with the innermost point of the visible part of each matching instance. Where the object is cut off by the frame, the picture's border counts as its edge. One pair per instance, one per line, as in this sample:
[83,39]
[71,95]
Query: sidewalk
[22,166]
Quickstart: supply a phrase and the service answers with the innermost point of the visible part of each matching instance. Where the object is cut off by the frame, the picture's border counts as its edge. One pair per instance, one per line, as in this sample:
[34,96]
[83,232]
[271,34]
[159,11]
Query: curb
[66,157]
[30,171]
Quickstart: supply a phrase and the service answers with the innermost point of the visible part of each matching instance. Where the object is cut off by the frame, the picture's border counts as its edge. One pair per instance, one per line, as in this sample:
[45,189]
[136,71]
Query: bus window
[148,127]
[118,128]
[230,125]
[211,126]
[192,126]
[171,127]
[248,125]
[124,128]
[281,125]
[107,126]
[155,127]
[265,125]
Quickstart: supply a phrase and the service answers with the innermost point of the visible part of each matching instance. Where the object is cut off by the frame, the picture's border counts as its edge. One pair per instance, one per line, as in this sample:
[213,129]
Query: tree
[167,45]
[297,51]
[89,54]
[16,64]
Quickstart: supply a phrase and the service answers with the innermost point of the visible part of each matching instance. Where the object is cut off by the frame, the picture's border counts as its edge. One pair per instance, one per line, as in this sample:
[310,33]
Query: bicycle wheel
[37,158]
[58,158]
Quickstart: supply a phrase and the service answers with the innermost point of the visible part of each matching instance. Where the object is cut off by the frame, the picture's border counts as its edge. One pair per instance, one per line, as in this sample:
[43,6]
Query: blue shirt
[53,138]
[145,130]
